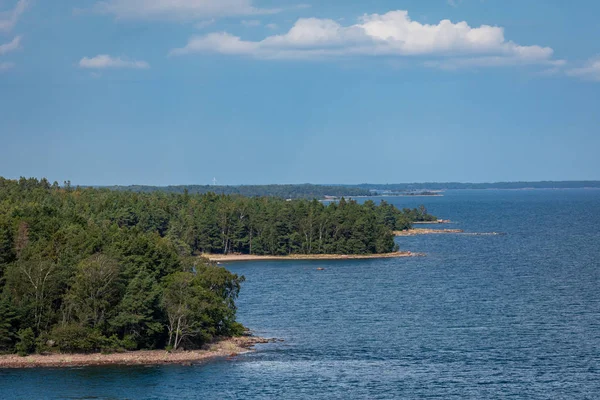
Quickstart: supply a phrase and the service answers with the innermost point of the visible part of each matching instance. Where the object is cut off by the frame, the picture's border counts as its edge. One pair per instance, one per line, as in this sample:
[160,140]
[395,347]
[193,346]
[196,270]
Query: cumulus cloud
[390,34]
[178,9]
[104,61]
[590,71]
[5,66]
[8,19]
[11,46]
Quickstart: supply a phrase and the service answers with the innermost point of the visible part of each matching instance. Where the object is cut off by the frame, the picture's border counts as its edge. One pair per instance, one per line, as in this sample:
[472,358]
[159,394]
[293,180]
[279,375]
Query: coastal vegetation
[87,270]
[302,191]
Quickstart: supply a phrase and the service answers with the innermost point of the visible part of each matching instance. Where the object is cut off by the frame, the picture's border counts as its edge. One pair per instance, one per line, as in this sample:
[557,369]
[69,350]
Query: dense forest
[304,191]
[84,270]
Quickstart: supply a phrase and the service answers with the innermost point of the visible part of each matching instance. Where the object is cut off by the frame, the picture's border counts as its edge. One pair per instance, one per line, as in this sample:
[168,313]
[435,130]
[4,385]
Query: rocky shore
[224,348]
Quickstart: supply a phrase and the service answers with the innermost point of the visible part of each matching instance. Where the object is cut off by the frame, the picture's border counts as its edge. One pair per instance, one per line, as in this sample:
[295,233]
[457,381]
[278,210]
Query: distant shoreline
[221,349]
[307,257]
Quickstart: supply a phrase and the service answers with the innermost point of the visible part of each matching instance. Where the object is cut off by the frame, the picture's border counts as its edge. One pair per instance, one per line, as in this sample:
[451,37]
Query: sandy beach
[424,231]
[251,257]
[221,349]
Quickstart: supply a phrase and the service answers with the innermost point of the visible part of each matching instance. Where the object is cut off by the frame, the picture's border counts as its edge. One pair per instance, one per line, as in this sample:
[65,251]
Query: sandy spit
[248,257]
[423,231]
[221,349]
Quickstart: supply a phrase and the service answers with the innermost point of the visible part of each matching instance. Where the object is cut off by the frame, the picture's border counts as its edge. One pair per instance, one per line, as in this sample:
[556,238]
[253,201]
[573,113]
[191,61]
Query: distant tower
[214,181]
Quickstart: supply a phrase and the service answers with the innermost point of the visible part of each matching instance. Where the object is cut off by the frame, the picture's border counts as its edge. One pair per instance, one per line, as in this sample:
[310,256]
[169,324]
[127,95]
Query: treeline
[77,276]
[85,269]
[304,191]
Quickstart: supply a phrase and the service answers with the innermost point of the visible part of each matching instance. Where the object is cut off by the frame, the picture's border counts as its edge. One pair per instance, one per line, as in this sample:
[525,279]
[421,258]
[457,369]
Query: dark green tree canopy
[85,269]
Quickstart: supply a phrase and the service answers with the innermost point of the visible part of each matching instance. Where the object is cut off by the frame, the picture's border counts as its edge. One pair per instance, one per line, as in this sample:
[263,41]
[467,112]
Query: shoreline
[439,221]
[426,231]
[307,257]
[224,348]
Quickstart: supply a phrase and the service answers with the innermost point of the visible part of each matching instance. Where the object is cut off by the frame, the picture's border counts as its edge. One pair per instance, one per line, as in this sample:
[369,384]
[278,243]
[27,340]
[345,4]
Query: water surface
[511,316]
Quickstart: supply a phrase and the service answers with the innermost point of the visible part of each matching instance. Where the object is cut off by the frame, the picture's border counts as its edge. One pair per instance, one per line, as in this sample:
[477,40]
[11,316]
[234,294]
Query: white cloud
[391,34]
[8,19]
[251,23]
[178,9]
[11,46]
[590,71]
[104,61]
[272,26]
[5,66]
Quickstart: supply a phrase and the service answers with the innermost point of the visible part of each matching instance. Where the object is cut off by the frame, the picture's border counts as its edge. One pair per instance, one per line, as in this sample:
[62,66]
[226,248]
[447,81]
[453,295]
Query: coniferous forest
[302,191]
[84,270]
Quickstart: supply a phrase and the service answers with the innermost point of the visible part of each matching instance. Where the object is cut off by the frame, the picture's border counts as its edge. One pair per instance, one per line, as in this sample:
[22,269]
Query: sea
[508,310]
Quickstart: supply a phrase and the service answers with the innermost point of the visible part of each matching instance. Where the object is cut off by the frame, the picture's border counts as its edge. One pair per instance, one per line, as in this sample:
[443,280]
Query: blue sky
[250,91]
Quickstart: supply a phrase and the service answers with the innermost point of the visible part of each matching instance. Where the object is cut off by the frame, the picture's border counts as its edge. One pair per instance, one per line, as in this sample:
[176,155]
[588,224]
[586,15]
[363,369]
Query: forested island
[301,191]
[85,270]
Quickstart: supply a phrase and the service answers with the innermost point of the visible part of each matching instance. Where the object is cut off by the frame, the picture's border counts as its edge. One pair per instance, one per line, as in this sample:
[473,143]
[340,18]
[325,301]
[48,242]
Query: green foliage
[95,269]
[138,318]
[200,305]
[303,191]
[74,338]
[400,220]
[26,344]
[95,290]
[8,322]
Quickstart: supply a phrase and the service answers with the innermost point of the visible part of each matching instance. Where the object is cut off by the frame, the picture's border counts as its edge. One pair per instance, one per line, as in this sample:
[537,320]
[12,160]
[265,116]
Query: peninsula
[88,271]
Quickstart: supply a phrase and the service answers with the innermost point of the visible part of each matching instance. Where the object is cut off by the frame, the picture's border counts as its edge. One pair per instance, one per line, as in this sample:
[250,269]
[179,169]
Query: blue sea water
[480,317]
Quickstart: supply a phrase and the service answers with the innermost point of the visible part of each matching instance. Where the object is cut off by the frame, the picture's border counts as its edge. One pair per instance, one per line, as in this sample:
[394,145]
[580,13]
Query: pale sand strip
[423,231]
[251,257]
[221,349]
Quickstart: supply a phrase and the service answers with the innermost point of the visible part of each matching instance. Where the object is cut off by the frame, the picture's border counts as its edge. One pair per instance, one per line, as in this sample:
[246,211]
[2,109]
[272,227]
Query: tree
[183,303]
[8,331]
[34,285]
[221,290]
[137,317]
[95,290]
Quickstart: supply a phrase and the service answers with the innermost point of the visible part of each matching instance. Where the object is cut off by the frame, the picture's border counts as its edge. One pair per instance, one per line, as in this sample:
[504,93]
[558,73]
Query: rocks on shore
[224,348]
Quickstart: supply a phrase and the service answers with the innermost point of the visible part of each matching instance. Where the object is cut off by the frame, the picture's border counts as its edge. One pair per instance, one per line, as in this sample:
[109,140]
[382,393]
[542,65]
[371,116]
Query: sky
[165,92]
